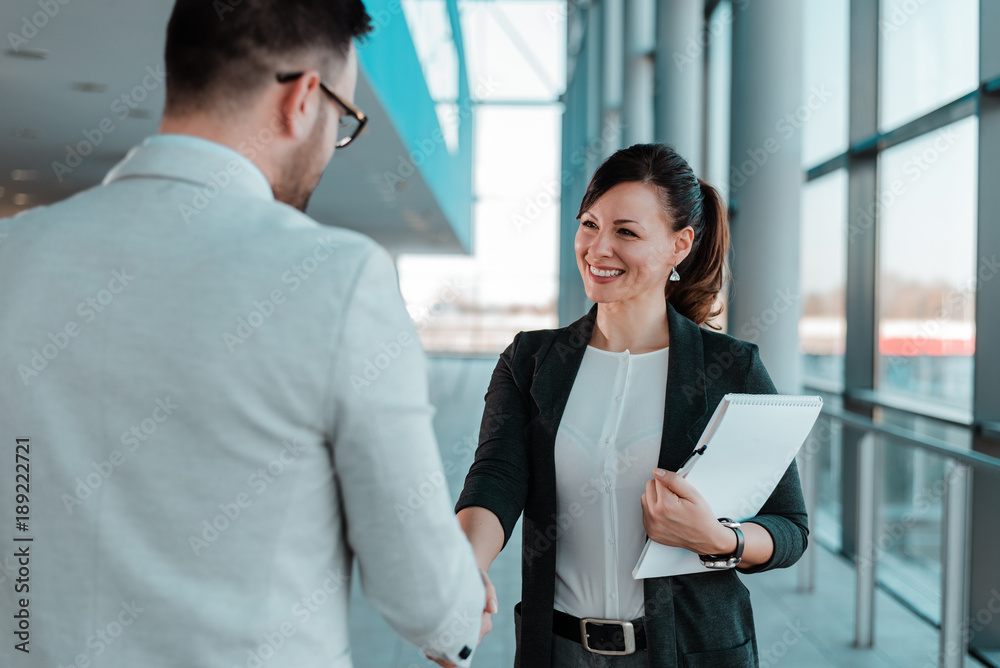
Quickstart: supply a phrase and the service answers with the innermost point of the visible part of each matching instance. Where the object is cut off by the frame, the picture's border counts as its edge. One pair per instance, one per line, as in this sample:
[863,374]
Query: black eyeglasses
[351,123]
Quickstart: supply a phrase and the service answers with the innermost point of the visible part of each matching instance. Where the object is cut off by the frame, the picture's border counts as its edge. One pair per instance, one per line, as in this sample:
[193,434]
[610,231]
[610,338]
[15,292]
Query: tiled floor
[793,630]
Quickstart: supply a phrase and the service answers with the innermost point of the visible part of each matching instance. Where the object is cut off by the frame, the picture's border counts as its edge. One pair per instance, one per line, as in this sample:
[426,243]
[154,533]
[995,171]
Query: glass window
[909,548]
[824,134]
[430,31]
[927,266]
[516,57]
[929,55]
[828,449]
[912,496]
[823,277]
[517,162]
[517,49]
[510,283]
[435,47]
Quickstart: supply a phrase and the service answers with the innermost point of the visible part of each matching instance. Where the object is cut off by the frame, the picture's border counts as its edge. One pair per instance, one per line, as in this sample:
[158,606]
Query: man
[216,401]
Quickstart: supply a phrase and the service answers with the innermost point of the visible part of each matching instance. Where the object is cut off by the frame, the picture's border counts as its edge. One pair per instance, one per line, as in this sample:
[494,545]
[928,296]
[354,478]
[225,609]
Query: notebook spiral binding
[770,400]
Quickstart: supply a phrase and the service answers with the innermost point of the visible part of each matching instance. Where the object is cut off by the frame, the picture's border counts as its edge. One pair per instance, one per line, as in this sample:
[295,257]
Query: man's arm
[417,568]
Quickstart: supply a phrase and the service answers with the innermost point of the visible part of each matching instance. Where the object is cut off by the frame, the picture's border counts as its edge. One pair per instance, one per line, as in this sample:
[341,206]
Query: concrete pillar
[681,42]
[613,82]
[580,152]
[765,183]
[593,82]
[640,70]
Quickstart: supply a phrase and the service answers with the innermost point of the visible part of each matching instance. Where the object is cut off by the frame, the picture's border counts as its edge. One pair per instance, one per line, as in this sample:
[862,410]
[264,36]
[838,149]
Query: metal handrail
[955,530]
[910,406]
[934,445]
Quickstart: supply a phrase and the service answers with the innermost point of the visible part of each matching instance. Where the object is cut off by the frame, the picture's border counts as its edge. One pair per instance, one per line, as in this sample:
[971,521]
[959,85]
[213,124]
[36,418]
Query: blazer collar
[685,412]
[193,160]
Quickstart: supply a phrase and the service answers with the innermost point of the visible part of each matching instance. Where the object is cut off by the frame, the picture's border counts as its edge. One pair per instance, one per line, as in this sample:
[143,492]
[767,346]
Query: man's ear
[299,105]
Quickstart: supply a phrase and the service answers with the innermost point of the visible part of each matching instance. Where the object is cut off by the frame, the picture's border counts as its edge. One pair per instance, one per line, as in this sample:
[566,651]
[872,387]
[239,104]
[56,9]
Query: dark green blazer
[703,619]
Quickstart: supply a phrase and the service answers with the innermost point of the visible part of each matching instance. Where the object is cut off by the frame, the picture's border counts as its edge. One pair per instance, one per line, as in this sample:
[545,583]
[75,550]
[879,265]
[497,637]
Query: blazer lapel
[685,414]
[556,371]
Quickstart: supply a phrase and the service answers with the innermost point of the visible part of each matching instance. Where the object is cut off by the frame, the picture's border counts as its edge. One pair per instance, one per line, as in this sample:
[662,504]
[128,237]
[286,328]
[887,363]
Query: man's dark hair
[221,52]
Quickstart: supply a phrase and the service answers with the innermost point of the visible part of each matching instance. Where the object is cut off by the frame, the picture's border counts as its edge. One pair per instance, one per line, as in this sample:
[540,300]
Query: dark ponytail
[687,200]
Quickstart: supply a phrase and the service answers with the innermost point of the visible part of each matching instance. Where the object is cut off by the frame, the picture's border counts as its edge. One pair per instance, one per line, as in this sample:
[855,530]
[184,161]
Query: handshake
[486,625]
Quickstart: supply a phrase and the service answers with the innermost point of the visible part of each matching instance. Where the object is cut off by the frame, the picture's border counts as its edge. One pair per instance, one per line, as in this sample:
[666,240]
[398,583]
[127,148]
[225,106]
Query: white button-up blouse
[606,447]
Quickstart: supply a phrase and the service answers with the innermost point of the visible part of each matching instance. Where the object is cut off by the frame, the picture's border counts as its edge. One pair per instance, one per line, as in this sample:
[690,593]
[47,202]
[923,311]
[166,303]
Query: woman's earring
[674,276]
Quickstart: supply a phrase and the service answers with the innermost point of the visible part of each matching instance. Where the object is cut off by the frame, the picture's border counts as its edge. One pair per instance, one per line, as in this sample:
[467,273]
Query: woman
[585,425]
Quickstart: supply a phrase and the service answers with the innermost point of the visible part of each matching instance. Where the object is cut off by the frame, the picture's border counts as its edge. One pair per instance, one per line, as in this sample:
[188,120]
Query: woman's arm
[758,546]
[498,478]
[674,513]
[485,533]
[783,516]
[497,483]
[496,486]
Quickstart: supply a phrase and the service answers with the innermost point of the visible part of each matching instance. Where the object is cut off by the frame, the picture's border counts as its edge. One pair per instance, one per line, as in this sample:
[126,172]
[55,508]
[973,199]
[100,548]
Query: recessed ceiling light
[25,174]
[30,54]
[90,86]
[414,221]
[27,133]
[21,199]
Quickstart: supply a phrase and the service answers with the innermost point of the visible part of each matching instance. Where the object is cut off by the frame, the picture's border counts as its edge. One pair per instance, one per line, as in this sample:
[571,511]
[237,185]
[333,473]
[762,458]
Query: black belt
[603,636]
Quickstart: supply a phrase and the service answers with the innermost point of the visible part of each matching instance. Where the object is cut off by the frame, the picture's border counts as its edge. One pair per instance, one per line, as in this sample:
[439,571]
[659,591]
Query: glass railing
[910,512]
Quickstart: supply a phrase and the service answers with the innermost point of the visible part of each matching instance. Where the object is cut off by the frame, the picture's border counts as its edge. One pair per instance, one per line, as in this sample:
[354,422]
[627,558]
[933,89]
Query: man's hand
[674,513]
[486,625]
[491,606]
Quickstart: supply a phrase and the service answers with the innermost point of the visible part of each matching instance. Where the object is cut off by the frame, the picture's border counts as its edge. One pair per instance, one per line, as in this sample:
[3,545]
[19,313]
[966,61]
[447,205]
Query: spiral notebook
[751,439]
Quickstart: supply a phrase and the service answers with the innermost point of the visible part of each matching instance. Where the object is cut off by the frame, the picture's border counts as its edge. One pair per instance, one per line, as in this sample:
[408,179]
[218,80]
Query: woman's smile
[601,274]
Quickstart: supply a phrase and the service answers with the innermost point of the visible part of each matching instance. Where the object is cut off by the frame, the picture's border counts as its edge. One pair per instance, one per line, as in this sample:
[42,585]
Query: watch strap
[726,560]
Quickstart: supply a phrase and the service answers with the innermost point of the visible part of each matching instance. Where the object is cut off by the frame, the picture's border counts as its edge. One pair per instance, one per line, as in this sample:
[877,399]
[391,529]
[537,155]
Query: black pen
[691,460]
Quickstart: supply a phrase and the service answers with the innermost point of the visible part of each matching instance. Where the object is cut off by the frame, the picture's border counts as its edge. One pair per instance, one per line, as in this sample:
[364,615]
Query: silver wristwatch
[726,560]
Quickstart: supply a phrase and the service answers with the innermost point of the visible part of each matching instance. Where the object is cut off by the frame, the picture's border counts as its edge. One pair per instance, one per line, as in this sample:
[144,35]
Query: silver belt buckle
[626,628]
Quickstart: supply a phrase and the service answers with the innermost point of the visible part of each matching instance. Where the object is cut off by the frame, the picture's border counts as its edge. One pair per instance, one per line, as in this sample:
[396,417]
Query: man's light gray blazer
[224,402]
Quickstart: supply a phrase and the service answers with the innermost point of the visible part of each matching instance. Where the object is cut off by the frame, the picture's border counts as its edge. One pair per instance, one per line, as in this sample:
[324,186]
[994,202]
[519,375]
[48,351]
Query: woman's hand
[491,607]
[674,513]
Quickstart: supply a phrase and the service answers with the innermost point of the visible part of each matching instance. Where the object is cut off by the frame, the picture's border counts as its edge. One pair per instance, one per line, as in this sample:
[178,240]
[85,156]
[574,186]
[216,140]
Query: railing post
[866,557]
[955,564]
[808,472]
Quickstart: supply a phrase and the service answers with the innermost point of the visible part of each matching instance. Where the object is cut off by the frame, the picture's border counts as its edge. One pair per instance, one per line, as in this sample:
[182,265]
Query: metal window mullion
[859,352]
[985,539]
[933,121]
